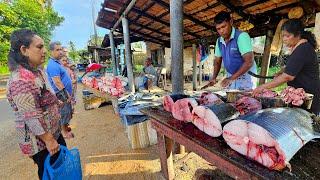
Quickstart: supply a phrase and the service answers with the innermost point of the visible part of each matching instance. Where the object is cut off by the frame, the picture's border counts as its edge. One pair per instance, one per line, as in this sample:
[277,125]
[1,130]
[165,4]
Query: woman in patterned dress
[35,106]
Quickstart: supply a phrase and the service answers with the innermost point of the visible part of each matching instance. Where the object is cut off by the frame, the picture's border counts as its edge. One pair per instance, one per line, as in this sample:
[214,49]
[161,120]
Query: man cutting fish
[234,49]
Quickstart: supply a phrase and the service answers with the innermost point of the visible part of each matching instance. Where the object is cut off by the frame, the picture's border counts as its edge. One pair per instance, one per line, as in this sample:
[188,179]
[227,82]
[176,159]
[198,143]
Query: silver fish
[290,128]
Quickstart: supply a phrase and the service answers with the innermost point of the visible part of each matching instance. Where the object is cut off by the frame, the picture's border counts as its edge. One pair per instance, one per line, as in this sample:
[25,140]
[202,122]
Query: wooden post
[165,146]
[317,26]
[176,40]
[126,37]
[200,73]
[113,54]
[266,56]
[194,67]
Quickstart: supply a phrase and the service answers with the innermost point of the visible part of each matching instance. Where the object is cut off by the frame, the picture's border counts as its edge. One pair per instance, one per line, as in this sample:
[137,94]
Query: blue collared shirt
[55,69]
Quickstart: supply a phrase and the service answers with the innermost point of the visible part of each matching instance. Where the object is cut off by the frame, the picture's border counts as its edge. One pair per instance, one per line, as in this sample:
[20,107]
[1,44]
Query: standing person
[62,85]
[234,49]
[302,68]
[65,63]
[35,107]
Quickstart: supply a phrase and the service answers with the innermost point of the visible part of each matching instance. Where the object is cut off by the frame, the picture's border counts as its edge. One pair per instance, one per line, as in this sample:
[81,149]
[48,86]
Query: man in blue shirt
[235,50]
[62,85]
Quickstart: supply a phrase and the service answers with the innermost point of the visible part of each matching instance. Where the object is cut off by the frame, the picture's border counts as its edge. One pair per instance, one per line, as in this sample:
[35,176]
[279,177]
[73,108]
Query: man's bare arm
[248,62]
[57,81]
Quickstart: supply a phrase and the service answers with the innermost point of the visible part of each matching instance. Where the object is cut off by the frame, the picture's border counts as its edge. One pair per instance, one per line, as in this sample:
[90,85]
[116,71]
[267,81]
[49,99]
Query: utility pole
[95,54]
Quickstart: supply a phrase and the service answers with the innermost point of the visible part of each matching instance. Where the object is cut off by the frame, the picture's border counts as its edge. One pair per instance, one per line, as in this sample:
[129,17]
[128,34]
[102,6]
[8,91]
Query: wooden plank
[317,28]
[165,146]
[266,57]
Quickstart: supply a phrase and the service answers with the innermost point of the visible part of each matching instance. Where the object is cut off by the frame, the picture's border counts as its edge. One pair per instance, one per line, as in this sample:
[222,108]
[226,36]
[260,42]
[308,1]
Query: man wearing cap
[234,49]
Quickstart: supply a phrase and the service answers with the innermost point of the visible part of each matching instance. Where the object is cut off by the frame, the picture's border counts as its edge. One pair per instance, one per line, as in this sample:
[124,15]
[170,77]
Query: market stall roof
[150,19]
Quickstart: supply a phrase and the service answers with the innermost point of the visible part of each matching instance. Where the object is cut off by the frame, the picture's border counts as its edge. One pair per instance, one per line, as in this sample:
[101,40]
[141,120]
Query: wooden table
[305,163]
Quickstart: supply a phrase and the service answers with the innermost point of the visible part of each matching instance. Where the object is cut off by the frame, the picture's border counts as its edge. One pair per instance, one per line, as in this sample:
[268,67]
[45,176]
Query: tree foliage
[31,14]
[73,53]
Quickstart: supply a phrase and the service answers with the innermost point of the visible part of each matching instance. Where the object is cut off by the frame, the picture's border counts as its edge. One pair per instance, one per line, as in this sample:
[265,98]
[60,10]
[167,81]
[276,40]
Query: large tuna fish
[270,136]
[209,118]
[182,109]
[169,100]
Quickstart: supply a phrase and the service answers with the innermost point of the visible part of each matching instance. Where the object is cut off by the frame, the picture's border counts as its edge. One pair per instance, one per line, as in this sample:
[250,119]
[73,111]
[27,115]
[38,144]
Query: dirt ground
[105,151]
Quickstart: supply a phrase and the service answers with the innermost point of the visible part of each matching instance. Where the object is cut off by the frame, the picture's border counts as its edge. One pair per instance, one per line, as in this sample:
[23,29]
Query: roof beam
[145,9]
[150,37]
[160,21]
[148,28]
[187,16]
[253,4]
[272,11]
[237,10]
[207,8]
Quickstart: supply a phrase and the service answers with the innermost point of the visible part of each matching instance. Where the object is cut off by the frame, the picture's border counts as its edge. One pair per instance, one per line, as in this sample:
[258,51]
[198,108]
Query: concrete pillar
[176,41]
[126,37]
[113,54]
[266,56]
[194,67]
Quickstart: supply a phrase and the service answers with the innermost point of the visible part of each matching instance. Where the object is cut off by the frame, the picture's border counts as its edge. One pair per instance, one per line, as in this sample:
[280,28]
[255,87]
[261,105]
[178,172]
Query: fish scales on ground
[271,136]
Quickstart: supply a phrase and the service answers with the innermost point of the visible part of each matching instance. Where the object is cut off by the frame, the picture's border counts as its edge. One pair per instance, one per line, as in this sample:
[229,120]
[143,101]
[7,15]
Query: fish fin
[316,135]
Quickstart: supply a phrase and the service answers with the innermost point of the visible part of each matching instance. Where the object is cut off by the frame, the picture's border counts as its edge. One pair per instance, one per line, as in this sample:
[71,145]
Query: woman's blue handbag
[67,166]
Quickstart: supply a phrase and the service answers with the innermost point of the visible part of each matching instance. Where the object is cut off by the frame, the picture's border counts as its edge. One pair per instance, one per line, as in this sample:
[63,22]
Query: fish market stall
[304,164]
[246,137]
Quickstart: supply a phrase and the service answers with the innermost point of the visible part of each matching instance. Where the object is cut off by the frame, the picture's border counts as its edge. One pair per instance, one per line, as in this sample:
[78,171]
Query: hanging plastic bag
[67,166]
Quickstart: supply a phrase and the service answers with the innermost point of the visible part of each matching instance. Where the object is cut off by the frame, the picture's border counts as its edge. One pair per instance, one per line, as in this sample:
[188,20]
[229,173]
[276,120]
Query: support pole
[200,73]
[176,40]
[266,56]
[113,54]
[126,37]
[194,67]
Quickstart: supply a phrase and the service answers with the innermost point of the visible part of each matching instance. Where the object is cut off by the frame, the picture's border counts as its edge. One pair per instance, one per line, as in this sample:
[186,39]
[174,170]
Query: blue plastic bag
[67,166]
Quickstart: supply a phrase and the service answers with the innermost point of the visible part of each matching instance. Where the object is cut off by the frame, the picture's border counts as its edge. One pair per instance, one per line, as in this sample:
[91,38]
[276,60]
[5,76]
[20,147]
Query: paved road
[5,111]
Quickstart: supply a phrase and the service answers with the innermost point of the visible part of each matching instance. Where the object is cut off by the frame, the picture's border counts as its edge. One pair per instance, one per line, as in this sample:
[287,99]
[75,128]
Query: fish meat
[246,105]
[209,118]
[271,136]
[267,93]
[169,100]
[182,109]
[208,98]
[293,96]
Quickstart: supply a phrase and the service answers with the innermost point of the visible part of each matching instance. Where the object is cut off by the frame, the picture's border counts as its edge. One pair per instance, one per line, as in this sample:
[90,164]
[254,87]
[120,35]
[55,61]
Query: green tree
[91,41]
[31,14]
[73,53]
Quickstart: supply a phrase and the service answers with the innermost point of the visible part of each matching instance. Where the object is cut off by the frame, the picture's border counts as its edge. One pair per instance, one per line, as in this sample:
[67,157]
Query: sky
[77,26]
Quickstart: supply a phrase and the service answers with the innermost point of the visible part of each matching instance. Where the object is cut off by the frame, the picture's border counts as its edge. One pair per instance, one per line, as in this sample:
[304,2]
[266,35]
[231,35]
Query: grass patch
[4,70]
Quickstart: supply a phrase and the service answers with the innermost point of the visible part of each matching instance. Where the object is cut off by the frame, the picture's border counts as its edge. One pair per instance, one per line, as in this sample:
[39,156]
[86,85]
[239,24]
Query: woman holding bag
[35,106]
